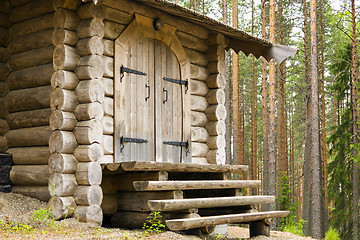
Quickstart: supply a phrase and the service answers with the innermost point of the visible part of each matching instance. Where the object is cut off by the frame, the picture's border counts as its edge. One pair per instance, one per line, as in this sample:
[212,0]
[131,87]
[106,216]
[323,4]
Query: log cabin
[115,108]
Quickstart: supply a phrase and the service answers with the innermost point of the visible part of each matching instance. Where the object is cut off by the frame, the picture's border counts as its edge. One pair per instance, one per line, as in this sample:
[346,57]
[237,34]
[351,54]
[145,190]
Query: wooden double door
[151,104]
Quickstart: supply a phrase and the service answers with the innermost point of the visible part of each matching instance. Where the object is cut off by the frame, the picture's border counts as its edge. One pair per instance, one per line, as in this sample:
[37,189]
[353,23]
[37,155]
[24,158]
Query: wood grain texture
[25,119]
[30,175]
[30,155]
[32,136]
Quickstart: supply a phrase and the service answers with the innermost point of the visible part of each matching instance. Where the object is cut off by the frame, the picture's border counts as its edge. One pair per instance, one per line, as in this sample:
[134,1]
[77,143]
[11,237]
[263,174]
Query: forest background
[281,126]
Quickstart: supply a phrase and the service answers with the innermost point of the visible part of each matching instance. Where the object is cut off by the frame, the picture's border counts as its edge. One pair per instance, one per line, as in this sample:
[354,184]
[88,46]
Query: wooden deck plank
[190,223]
[192,185]
[180,204]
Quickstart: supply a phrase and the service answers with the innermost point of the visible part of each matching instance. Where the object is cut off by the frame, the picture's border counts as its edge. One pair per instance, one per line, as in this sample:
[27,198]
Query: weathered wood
[5,6]
[194,185]
[64,79]
[108,125]
[216,142]
[106,159]
[62,163]
[216,112]
[32,136]
[108,106]
[108,65]
[199,160]
[108,144]
[89,153]
[198,88]
[198,119]
[65,57]
[29,175]
[4,71]
[192,42]
[62,185]
[117,16]
[109,185]
[90,10]
[31,58]
[198,103]
[259,228]
[199,73]
[3,110]
[31,10]
[216,96]
[33,25]
[3,89]
[38,192]
[4,20]
[215,128]
[215,53]
[217,38]
[33,118]
[183,224]
[109,204]
[217,67]
[138,201]
[60,120]
[3,144]
[64,36]
[199,134]
[31,41]
[88,195]
[4,54]
[88,111]
[67,4]
[112,30]
[62,207]
[88,132]
[89,214]
[4,127]
[66,19]
[216,81]
[179,204]
[30,155]
[199,149]
[216,156]
[108,47]
[89,46]
[62,142]
[64,100]
[91,27]
[196,57]
[30,77]
[88,173]
[5,37]
[16,3]
[90,67]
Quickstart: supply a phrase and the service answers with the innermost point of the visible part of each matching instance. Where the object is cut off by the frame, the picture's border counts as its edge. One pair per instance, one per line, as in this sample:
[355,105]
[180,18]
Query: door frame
[142,27]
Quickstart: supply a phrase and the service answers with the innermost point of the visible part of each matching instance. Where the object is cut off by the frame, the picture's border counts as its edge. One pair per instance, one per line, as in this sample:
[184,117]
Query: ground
[18,220]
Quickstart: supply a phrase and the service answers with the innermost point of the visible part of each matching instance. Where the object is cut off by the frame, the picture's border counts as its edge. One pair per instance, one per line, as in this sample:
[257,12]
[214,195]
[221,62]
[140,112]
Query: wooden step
[180,204]
[199,222]
[193,185]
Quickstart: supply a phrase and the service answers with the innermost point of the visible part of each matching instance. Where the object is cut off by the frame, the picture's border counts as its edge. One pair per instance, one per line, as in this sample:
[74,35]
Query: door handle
[166,95]
[148,88]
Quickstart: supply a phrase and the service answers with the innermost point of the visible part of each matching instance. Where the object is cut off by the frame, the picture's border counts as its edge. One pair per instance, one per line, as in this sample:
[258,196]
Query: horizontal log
[199,73]
[31,41]
[179,204]
[66,19]
[29,175]
[64,100]
[216,112]
[109,204]
[5,6]
[216,128]
[198,88]
[30,77]
[4,127]
[194,185]
[4,20]
[199,149]
[67,4]
[3,144]
[196,57]
[109,184]
[88,111]
[217,67]
[108,106]
[5,37]
[31,10]
[87,195]
[216,96]
[30,155]
[60,120]
[16,3]
[3,89]
[108,47]
[89,214]
[33,118]
[33,136]
[106,159]
[118,16]
[64,79]
[198,119]
[4,54]
[199,134]
[62,185]
[198,103]
[192,42]
[88,173]
[90,10]
[33,25]
[38,192]
[90,67]
[62,163]
[88,132]
[199,160]
[190,223]
[89,46]
[63,207]
[217,156]
[91,27]
[215,53]
[65,57]
[3,110]
[112,30]
[216,142]
[89,153]
[108,125]
[217,38]
[62,142]
[4,71]
[64,36]
[108,144]
[31,58]
[216,81]
[108,65]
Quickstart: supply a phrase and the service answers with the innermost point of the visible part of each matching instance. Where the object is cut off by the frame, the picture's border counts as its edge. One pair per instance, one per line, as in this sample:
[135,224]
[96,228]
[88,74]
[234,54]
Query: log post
[89,153]
[62,163]
[60,120]
[88,132]
[62,207]
[64,79]
[62,142]
[62,185]
[90,214]
[88,173]
[88,195]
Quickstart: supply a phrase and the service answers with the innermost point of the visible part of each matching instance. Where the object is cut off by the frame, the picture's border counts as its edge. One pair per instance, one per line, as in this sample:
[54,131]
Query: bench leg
[258,228]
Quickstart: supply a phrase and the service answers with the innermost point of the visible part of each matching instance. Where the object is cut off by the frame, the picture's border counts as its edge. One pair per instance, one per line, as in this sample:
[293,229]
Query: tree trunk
[235,77]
